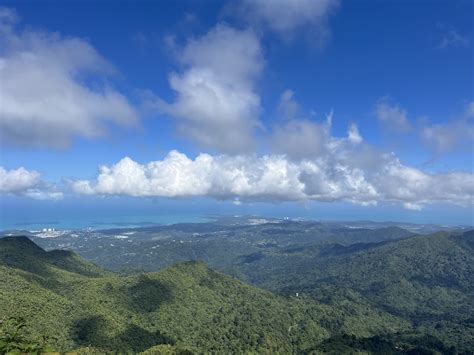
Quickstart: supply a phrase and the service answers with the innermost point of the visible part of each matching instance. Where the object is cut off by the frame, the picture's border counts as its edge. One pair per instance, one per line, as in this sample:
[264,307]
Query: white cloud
[343,171]
[18,180]
[287,16]
[22,182]
[392,116]
[45,100]
[217,176]
[216,103]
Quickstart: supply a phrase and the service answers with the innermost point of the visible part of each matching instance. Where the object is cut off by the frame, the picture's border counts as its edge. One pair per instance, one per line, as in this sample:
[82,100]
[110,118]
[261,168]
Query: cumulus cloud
[45,97]
[22,182]
[287,16]
[216,104]
[18,180]
[392,116]
[344,171]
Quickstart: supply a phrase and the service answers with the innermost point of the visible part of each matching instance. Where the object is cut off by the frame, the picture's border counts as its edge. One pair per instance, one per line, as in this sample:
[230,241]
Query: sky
[322,109]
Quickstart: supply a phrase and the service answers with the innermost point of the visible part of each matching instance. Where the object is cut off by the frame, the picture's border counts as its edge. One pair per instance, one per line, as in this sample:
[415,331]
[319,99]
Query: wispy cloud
[451,37]
[454,39]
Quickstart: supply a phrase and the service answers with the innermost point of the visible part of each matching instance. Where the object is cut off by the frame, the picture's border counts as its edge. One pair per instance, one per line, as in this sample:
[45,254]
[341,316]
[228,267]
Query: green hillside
[22,253]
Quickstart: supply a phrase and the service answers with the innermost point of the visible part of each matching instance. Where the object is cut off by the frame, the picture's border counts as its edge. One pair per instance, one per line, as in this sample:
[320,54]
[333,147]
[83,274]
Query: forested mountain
[406,296]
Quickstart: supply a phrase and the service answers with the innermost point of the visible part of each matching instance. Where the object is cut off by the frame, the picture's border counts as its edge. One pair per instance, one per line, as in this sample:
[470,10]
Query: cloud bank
[47,93]
[345,170]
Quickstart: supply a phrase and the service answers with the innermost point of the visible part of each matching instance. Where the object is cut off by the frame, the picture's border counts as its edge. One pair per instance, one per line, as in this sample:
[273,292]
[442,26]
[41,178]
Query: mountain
[187,306]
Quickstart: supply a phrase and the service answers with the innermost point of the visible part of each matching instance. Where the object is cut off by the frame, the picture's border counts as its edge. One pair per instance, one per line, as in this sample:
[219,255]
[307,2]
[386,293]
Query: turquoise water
[96,222]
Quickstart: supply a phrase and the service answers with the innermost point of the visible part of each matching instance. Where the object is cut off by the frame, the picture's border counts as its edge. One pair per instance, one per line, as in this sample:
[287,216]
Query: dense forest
[411,295]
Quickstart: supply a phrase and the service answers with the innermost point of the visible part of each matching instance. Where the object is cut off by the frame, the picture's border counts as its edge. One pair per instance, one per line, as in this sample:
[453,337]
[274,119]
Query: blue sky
[87,84]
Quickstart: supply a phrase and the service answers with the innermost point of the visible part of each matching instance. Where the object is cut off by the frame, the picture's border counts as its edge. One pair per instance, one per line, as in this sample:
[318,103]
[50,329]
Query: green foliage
[15,340]
[166,350]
